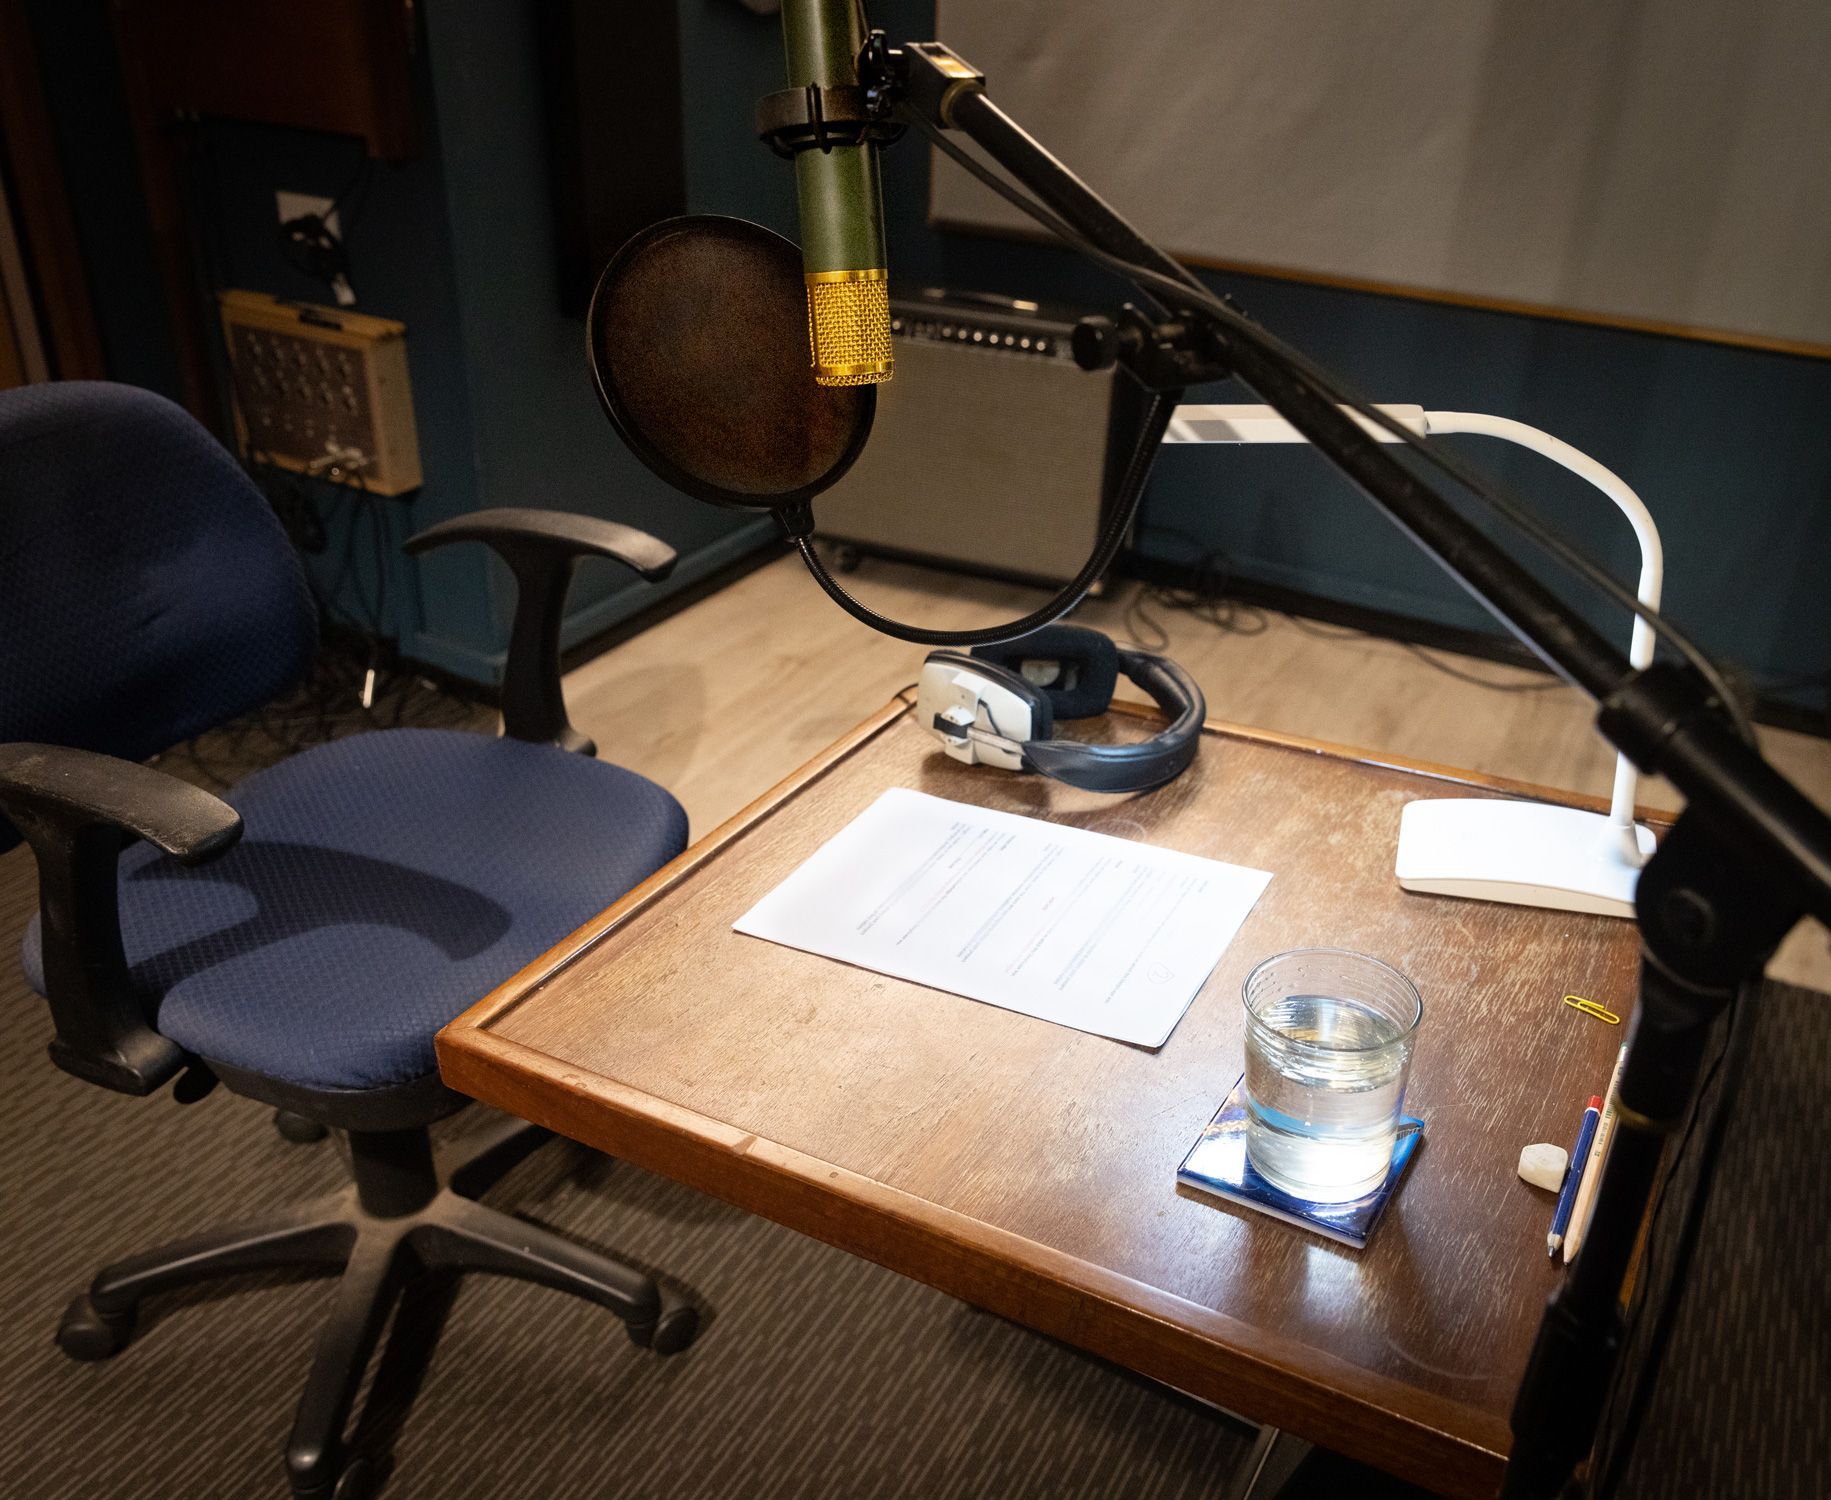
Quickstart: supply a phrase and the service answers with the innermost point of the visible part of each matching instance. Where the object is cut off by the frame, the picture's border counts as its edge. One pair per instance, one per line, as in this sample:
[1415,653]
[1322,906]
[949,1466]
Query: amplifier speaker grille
[989,448]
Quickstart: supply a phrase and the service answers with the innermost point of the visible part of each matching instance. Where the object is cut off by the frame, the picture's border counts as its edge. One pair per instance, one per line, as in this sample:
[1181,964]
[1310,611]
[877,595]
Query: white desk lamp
[1525,853]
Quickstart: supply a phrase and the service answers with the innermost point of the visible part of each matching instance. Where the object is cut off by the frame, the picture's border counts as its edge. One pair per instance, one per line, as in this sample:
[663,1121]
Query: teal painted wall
[1730,448]
[456,244]
[538,435]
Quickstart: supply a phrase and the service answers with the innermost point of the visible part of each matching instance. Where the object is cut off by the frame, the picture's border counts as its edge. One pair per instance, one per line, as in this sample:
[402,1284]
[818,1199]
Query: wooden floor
[723,699]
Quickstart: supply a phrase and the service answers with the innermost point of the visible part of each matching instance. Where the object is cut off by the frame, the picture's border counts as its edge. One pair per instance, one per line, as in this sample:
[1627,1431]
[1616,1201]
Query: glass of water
[1328,1048]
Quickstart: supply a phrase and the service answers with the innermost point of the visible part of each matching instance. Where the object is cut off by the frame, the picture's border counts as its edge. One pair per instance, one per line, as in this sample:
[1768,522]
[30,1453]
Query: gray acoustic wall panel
[1667,165]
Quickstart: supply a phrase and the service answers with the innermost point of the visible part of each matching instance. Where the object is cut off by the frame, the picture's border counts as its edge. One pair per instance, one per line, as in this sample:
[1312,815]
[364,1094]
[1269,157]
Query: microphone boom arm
[1749,856]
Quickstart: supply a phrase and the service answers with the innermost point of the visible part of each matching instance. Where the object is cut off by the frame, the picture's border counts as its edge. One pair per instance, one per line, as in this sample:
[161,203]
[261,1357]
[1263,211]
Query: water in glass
[1325,1077]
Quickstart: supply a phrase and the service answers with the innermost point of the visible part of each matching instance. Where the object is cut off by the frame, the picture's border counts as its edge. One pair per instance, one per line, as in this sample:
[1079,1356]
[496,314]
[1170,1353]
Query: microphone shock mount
[818,119]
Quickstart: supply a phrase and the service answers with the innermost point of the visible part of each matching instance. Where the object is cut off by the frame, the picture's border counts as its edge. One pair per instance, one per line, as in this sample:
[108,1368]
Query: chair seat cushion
[383,883]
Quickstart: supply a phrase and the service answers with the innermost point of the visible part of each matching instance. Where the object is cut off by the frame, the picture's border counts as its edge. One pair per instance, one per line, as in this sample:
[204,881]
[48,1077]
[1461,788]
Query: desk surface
[1031,1169]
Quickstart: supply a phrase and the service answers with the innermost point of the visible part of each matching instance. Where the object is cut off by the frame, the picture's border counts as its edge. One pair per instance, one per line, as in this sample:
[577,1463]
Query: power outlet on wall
[296,205]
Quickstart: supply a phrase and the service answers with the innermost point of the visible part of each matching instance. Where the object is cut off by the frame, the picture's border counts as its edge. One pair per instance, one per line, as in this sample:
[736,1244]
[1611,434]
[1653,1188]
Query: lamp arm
[1652,564]
[1263,424]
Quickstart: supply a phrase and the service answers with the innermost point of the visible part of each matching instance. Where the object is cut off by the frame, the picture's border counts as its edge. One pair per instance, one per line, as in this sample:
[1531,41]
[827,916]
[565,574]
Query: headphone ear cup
[1042,712]
[1086,657]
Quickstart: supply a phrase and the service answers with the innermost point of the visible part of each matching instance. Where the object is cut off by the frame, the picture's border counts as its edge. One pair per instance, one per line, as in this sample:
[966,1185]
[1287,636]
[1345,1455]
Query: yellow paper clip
[1592,1008]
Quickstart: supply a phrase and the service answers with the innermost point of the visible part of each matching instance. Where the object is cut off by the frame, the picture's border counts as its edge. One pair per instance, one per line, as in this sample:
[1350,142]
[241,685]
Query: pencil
[1592,1169]
[1579,1158]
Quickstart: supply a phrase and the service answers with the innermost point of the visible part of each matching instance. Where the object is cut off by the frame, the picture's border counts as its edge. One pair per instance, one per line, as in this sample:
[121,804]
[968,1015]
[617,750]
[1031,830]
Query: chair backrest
[147,591]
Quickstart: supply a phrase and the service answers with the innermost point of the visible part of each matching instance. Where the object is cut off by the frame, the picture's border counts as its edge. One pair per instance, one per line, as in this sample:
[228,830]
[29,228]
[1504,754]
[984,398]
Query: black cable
[377,517]
[380,542]
[349,200]
[314,249]
[1210,604]
[1474,679]
[1186,289]
[1145,631]
[349,572]
[323,708]
[1044,215]
[1325,632]
[1118,523]
[1206,597]
[358,185]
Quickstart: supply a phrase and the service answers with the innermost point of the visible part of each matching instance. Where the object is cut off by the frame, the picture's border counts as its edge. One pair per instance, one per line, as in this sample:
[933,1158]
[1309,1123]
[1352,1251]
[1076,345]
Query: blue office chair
[301,940]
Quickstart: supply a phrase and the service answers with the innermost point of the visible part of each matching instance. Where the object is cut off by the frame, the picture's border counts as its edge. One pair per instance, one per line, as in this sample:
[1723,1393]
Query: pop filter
[698,339]
[699,344]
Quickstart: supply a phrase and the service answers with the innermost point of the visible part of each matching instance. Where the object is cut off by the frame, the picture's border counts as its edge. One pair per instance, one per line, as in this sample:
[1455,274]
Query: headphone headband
[1000,704]
[1148,763]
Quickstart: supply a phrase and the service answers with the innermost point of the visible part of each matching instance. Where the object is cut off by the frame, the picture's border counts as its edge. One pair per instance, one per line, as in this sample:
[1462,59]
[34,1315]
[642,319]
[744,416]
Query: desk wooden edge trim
[1421,1438]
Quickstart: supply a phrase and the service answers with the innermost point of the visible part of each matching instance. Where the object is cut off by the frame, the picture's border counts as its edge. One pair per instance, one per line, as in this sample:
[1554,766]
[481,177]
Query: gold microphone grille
[848,327]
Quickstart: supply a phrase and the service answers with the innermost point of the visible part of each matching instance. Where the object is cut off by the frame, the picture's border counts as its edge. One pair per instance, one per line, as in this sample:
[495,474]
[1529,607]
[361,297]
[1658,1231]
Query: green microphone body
[842,219]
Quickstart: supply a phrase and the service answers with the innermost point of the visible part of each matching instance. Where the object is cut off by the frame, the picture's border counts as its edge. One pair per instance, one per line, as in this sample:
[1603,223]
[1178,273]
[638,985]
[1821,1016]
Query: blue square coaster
[1217,1165]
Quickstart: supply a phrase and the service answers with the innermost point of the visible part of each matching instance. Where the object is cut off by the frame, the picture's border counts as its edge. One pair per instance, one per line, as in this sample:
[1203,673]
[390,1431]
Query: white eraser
[1543,1165]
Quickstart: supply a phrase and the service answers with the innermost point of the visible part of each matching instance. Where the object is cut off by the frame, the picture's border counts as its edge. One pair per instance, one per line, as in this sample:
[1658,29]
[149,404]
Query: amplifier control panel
[982,333]
[983,321]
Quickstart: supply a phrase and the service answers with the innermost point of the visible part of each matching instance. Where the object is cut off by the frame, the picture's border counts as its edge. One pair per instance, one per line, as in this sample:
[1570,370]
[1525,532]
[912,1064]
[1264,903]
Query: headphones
[998,705]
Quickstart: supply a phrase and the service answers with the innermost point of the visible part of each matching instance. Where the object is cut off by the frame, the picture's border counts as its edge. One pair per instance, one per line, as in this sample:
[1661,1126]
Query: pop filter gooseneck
[698,342]
[1119,520]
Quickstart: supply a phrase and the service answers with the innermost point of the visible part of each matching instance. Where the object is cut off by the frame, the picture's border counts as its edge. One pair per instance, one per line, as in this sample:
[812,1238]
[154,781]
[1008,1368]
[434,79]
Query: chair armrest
[78,810]
[541,548]
[555,532]
[65,790]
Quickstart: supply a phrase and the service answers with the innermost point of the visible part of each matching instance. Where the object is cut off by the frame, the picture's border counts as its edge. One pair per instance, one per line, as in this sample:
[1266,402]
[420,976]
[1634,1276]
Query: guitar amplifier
[989,453]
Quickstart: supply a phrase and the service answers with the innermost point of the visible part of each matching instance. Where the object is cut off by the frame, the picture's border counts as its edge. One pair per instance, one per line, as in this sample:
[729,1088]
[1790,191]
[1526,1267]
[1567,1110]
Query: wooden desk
[1030,1169]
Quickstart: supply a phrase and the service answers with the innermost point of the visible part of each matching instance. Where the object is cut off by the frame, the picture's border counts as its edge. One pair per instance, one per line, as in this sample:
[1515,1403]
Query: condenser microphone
[842,214]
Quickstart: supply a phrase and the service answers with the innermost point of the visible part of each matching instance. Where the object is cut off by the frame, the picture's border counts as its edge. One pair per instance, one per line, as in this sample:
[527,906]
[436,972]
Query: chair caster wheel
[677,1327]
[358,1481]
[88,1334]
[360,1478]
[297,1128]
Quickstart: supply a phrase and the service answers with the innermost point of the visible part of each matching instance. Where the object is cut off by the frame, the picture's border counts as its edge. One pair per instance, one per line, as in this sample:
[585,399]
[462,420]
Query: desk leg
[1269,1464]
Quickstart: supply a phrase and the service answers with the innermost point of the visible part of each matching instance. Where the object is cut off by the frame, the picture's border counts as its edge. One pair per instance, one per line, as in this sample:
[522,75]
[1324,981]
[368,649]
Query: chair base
[300,1129]
[403,1214]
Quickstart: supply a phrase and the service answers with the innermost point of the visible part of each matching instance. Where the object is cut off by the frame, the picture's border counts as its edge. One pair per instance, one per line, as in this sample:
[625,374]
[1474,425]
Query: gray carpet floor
[815,1375]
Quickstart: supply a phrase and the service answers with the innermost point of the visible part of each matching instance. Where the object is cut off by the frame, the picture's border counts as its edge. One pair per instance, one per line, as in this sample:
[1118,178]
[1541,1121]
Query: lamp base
[1522,853]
